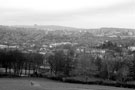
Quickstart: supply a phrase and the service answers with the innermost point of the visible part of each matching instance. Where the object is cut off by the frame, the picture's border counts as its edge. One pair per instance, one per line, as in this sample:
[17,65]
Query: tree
[61,62]
[117,66]
[85,66]
[132,69]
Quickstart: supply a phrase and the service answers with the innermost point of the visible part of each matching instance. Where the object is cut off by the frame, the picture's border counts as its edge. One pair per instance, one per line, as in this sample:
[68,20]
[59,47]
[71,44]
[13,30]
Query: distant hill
[46,34]
[113,31]
[37,34]
[48,27]
[101,31]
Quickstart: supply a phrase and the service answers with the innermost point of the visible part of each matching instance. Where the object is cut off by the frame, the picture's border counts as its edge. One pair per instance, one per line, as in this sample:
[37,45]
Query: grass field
[45,84]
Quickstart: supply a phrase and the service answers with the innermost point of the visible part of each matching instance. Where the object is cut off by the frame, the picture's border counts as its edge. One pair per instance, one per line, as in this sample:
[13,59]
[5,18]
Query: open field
[45,84]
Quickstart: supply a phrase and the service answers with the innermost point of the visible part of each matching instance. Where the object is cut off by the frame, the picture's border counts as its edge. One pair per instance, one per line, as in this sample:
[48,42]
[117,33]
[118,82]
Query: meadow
[46,84]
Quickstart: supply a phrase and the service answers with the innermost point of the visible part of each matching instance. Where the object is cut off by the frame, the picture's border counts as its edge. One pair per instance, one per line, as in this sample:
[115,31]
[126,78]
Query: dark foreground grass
[46,84]
[99,81]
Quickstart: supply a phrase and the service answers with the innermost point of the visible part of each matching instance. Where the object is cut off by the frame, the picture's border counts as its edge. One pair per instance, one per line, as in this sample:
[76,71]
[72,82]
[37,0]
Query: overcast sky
[75,13]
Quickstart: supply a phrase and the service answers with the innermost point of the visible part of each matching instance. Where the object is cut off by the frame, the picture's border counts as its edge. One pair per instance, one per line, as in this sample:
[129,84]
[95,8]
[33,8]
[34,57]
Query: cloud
[112,14]
[119,8]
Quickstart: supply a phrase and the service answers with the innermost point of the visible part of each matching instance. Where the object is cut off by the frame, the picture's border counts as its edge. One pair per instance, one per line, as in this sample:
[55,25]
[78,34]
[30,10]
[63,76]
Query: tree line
[17,63]
[117,65]
[65,62]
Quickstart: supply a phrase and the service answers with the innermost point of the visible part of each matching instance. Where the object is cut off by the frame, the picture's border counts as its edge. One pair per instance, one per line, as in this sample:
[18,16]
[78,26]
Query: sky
[73,13]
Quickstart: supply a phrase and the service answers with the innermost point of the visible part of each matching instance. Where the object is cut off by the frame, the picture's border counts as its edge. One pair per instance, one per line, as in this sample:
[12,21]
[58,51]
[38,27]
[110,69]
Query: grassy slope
[45,84]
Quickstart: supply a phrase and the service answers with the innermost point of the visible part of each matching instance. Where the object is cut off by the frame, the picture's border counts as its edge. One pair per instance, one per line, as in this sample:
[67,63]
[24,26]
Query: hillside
[113,31]
[51,34]
[48,27]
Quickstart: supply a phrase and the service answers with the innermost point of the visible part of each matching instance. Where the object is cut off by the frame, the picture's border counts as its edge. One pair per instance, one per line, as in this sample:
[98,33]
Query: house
[44,69]
[131,48]
[3,46]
